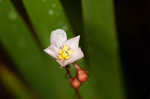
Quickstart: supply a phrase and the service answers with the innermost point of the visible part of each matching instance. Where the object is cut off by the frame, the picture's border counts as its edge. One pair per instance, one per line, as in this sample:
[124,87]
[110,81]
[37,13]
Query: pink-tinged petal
[52,51]
[60,62]
[73,42]
[76,55]
[58,37]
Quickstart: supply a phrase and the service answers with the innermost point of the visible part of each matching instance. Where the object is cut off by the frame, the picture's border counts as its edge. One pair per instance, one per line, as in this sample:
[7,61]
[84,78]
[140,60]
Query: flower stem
[76,66]
[77,93]
[70,78]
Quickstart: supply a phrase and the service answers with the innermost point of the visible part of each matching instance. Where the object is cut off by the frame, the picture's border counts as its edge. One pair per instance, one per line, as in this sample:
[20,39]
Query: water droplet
[44,1]
[12,15]
[53,5]
[50,12]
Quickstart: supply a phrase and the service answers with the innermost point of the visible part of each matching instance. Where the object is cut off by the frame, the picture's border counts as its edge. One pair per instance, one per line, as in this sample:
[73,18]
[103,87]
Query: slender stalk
[68,72]
[70,78]
[77,93]
[76,66]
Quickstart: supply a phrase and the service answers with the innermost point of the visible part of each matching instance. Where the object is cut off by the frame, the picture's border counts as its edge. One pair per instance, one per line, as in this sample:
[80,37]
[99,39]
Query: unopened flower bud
[75,83]
[82,75]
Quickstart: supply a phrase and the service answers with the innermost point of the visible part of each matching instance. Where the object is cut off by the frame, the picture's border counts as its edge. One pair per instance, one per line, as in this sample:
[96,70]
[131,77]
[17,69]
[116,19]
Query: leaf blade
[102,48]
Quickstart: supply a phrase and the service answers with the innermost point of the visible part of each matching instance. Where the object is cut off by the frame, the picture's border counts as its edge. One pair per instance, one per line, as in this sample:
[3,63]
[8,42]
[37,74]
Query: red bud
[75,83]
[82,75]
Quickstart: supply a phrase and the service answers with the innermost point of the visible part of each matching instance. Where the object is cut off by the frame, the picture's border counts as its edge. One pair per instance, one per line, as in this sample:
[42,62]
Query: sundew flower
[67,52]
[64,51]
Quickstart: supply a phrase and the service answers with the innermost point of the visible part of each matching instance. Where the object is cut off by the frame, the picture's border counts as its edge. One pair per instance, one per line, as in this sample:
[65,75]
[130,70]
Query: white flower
[64,51]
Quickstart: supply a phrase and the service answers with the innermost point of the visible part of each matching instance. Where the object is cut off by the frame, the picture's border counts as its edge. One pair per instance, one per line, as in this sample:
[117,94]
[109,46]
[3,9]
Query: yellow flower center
[64,53]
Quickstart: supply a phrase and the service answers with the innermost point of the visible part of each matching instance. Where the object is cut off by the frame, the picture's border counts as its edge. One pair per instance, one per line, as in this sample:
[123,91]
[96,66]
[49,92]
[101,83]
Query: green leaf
[41,72]
[46,16]
[102,48]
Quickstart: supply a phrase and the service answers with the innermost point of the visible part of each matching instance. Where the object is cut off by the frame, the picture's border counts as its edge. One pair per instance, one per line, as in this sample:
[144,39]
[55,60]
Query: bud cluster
[81,77]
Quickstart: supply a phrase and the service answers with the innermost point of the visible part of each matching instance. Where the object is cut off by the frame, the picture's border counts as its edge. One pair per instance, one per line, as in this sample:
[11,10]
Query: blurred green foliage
[15,86]
[102,48]
[40,71]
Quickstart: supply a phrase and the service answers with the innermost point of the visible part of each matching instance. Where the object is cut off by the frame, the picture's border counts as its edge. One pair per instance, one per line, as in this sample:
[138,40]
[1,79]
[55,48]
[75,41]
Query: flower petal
[77,54]
[58,37]
[52,51]
[73,42]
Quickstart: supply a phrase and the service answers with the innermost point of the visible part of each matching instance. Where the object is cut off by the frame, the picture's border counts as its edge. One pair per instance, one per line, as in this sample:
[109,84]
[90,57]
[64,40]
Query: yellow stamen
[67,57]
[70,52]
[60,57]
[65,53]
[60,51]
[65,48]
